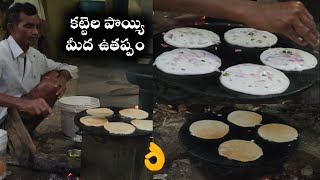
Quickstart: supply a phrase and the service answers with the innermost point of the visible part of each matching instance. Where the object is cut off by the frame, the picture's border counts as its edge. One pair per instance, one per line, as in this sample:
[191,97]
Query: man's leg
[20,143]
[23,149]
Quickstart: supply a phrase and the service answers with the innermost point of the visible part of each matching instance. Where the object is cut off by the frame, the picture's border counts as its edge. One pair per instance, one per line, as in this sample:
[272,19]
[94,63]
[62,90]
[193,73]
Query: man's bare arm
[288,18]
[10,101]
[226,9]
[33,107]
[64,75]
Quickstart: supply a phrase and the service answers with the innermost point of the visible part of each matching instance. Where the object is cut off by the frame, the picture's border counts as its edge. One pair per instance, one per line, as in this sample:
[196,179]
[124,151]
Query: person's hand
[59,83]
[38,107]
[291,19]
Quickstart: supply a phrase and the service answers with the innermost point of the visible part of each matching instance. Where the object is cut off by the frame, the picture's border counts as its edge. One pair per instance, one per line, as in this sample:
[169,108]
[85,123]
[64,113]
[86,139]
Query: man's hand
[58,80]
[64,77]
[61,82]
[291,19]
[37,107]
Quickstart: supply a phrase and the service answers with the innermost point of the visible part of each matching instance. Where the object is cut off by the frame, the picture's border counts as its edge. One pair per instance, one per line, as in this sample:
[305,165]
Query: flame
[136,107]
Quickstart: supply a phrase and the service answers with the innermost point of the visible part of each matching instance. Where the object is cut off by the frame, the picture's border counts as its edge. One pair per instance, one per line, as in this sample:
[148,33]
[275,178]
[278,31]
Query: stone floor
[104,79]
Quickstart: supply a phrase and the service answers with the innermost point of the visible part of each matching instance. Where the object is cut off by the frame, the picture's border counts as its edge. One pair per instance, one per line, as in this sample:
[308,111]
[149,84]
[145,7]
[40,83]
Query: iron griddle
[207,150]
[100,131]
[209,84]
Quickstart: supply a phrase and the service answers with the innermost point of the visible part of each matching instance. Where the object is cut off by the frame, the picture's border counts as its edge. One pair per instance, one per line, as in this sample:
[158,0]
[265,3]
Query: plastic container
[71,105]
[3,151]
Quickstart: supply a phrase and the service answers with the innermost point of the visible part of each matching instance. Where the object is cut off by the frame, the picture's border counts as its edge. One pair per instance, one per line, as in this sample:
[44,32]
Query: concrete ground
[104,79]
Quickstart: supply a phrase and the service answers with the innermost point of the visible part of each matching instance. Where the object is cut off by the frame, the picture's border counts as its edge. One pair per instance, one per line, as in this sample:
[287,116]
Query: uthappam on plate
[188,37]
[249,37]
[93,121]
[187,62]
[240,150]
[119,128]
[254,79]
[134,113]
[244,118]
[279,133]
[209,129]
[100,112]
[288,59]
[146,125]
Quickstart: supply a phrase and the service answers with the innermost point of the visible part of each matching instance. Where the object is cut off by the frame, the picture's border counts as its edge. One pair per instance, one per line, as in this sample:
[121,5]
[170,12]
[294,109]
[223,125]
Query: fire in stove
[70,175]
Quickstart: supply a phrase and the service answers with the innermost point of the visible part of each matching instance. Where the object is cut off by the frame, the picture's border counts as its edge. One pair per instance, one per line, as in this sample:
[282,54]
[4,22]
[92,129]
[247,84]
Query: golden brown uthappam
[244,118]
[209,129]
[134,113]
[100,112]
[146,125]
[119,128]
[279,133]
[93,121]
[240,150]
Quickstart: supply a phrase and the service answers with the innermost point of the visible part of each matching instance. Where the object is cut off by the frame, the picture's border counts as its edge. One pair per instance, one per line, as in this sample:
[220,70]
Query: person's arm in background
[288,18]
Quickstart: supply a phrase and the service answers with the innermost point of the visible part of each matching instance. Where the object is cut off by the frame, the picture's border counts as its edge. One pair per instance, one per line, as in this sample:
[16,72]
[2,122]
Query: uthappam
[146,125]
[119,128]
[187,62]
[188,37]
[209,129]
[244,118]
[93,121]
[240,150]
[254,79]
[279,133]
[288,59]
[100,112]
[134,113]
[251,38]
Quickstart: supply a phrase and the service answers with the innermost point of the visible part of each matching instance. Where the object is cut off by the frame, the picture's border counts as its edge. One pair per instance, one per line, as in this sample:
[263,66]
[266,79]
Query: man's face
[26,31]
